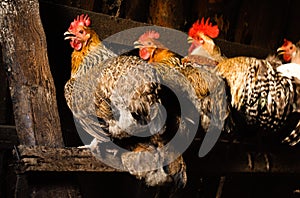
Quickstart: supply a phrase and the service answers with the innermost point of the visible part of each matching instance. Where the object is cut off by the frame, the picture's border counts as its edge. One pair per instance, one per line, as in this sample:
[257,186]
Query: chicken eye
[81,31]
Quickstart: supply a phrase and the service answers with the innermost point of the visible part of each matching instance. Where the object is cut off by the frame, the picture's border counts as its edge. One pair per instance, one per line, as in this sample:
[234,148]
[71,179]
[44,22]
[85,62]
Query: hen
[87,45]
[290,52]
[211,100]
[263,99]
[291,56]
[124,104]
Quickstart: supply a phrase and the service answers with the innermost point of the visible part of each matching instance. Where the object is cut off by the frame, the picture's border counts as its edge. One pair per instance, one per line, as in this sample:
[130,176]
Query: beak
[280,51]
[190,39]
[137,44]
[68,35]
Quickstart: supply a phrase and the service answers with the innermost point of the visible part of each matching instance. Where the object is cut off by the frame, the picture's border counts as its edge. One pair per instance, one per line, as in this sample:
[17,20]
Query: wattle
[76,44]
[287,57]
[144,54]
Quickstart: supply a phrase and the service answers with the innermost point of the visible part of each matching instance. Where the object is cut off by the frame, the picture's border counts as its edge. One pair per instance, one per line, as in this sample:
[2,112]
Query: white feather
[290,70]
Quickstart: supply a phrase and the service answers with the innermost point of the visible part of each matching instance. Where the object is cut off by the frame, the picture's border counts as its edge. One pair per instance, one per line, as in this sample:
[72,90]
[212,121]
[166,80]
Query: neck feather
[78,55]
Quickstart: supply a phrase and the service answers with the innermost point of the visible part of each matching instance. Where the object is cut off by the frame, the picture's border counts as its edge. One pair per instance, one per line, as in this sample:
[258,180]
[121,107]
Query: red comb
[82,20]
[149,34]
[286,42]
[206,28]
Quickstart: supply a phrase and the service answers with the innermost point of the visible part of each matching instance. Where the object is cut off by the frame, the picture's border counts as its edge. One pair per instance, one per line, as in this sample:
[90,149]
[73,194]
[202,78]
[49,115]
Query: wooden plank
[223,159]
[40,158]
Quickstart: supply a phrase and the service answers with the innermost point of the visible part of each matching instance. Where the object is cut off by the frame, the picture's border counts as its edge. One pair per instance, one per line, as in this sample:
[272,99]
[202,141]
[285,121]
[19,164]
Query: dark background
[261,23]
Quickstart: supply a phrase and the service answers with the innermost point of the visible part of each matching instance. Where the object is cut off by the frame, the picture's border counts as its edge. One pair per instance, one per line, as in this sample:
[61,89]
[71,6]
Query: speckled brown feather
[79,68]
[165,56]
[196,79]
[114,98]
[201,60]
[167,173]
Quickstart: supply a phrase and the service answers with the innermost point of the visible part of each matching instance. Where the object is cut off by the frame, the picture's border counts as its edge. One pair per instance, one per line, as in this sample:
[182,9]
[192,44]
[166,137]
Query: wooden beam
[221,160]
[40,158]
[32,89]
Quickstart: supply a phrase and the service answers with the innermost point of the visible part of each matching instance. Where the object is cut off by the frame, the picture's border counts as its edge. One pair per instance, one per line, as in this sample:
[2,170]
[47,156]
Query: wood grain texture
[31,85]
[221,160]
[40,158]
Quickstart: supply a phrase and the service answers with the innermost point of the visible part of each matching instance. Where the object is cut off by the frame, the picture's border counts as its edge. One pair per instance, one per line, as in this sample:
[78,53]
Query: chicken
[290,52]
[291,56]
[122,103]
[211,100]
[263,99]
[200,37]
[85,41]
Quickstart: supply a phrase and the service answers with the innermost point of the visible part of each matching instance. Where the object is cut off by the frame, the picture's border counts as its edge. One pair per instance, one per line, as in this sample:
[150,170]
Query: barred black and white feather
[262,97]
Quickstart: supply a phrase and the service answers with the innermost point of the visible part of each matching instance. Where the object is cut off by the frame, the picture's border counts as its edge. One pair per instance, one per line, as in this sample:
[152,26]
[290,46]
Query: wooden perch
[40,158]
[219,161]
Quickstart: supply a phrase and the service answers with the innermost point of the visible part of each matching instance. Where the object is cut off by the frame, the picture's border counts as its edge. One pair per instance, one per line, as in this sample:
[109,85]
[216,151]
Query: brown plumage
[209,88]
[87,45]
[154,52]
[120,101]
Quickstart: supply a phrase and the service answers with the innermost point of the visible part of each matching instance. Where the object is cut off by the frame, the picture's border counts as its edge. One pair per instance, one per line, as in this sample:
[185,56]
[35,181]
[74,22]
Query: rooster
[263,99]
[209,88]
[120,101]
[201,36]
